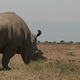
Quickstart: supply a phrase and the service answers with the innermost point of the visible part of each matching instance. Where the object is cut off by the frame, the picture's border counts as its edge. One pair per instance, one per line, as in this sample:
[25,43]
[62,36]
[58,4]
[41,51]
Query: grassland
[63,63]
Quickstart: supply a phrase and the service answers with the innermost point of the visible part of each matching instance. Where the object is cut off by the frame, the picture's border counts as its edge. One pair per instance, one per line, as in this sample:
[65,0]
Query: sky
[43,14]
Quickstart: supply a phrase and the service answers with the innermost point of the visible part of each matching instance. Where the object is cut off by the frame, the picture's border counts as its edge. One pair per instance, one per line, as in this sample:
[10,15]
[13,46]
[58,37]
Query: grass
[59,66]
[42,70]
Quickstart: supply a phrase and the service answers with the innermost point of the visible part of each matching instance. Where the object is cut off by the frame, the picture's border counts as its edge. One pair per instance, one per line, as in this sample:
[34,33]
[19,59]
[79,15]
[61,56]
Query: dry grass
[63,64]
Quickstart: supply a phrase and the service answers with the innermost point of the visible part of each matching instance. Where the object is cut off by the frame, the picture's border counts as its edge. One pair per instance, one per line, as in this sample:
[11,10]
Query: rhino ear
[39,33]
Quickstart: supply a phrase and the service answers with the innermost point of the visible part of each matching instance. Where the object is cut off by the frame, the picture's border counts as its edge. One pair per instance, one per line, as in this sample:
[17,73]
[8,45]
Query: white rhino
[16,37]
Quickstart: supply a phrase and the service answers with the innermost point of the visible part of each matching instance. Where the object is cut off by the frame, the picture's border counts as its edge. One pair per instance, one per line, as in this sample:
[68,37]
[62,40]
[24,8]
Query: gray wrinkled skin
[16,37]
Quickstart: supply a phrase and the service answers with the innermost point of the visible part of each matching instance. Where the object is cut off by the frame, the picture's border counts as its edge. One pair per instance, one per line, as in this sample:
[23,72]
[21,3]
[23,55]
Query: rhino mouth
[38,55]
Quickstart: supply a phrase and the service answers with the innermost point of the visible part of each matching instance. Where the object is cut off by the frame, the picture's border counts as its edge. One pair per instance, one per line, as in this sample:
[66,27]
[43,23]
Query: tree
[71,42]
[62,41]
[46,42]
[54,42]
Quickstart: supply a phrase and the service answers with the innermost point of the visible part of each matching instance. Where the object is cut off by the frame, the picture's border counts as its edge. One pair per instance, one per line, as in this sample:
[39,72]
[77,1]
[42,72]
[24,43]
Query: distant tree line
[61,42]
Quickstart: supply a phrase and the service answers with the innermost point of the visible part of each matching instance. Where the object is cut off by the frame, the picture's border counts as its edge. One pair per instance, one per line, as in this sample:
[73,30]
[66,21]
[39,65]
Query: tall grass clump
[55,65]
[67,66]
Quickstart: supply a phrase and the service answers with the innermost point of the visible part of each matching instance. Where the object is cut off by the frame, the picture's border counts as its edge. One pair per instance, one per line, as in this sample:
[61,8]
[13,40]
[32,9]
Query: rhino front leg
[8,53]
[26,59]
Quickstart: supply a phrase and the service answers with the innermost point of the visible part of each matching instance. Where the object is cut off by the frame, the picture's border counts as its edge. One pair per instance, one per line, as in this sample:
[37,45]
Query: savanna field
[62,63]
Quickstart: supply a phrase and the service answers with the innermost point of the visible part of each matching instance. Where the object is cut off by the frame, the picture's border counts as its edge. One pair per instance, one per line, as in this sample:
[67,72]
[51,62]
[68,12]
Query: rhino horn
[39,33]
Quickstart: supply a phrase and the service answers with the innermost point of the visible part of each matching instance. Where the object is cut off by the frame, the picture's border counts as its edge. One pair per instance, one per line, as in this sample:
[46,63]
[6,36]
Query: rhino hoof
[6,68]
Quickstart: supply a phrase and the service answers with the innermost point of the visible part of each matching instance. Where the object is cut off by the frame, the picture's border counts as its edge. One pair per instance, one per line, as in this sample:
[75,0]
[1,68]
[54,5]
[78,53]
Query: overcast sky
[48,11]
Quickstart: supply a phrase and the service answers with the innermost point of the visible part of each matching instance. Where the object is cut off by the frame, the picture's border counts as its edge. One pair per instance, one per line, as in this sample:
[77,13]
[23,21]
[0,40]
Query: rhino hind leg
[5,61]
[8,53]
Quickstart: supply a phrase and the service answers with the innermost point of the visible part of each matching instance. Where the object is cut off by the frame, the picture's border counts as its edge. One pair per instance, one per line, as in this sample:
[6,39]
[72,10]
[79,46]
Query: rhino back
[13,30]
[12,20]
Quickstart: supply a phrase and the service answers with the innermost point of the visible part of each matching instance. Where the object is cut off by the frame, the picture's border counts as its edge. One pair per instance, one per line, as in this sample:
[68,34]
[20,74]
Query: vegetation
[59,65]
[61,42]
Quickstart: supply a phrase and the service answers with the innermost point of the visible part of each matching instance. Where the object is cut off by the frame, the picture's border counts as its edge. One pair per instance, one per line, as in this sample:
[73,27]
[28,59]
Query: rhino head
[32,52]
[35,50]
